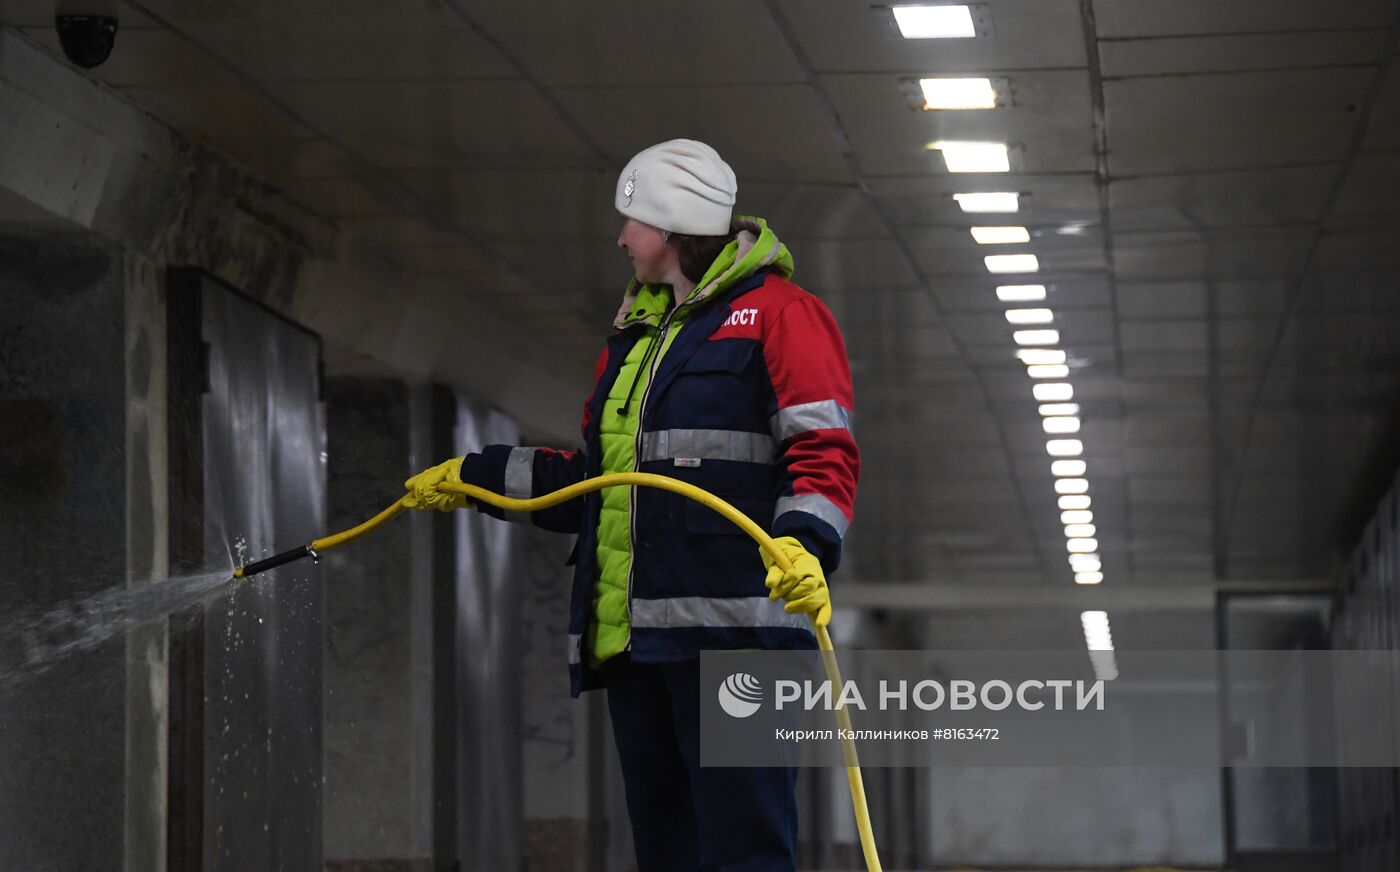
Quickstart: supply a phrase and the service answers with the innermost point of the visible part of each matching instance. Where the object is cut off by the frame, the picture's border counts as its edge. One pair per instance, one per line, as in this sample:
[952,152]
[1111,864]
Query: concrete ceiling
[1210,188]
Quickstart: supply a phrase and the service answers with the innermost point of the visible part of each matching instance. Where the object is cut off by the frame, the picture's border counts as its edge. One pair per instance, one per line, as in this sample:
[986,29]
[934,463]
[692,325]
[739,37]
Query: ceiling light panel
[1041,356]
[1053,392]
[1065,424]
[1030,316]
[1064,447]
[1069,469]
[934,22]
[1020,293]
[974,157]
[1001,264]
[991,201]
[1036,337]
[958,93]
[1000,236]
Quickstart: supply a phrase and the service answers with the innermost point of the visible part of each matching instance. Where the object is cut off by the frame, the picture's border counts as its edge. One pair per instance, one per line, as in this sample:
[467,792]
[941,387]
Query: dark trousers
[686,818]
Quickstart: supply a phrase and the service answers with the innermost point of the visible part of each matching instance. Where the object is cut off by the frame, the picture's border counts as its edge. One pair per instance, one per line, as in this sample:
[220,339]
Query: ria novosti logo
[740,695]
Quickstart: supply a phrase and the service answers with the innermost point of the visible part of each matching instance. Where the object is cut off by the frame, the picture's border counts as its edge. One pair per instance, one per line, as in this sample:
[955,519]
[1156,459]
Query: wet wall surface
[263,483]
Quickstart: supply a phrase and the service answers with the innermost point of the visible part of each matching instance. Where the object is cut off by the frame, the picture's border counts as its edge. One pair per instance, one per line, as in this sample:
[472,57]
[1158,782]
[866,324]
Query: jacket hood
[753,248]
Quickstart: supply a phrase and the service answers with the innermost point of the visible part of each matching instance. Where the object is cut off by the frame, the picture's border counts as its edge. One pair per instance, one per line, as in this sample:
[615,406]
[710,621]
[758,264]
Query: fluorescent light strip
[1020,293]
[1088,577]
[973,157]
[1062,425]
[1040,356]
[1064,447]
[1100,645]
[934,22]
[1012,263]
[958,94]
[1036,337]
[1000,235]
[1060,410]
[989,201]
[1085,562]
[1079,531]
[1052,392]
[1030,316]
[1082,545]
[1089,619]
[1071,486]
[1107,671]
[1077,516]
[1047,371]
[1068,469]
[1075,502]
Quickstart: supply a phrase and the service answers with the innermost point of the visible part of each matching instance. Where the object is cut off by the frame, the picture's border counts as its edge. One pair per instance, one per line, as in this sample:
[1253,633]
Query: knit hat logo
[630,187]
[740,695]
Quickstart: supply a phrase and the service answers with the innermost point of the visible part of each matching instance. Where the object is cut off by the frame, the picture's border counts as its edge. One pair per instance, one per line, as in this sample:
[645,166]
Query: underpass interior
[265,261]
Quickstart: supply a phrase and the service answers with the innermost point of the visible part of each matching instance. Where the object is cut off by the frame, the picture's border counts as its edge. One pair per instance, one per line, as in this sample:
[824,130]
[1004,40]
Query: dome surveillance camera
[87,39]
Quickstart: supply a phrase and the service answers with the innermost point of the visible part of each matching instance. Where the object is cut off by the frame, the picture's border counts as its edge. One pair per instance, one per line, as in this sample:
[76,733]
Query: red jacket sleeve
[811,378]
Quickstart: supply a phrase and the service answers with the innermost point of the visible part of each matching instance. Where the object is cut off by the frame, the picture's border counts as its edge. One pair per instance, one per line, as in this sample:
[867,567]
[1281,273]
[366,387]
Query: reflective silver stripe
[709,445]
[821,415]
[574,641]
[814,504]
[520,473]
[704,611]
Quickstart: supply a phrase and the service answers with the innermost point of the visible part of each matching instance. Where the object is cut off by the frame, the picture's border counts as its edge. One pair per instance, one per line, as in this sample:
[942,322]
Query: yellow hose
[690,491]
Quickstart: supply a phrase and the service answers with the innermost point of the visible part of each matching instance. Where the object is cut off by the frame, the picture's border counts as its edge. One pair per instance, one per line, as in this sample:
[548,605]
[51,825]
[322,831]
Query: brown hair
[696,253]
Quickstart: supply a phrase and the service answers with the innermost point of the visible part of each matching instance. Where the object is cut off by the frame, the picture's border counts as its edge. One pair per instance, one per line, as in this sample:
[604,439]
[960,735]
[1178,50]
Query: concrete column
[555,726]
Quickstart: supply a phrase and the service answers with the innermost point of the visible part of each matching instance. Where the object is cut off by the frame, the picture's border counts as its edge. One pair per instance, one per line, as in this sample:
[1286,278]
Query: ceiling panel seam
[1295,294]
[1089,22]
[1318,31]
[1224,171]
[844,145]
[545,94]
[1251,71]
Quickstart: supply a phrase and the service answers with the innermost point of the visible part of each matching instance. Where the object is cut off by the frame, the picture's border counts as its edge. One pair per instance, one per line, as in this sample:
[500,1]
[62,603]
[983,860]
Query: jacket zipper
[637,461]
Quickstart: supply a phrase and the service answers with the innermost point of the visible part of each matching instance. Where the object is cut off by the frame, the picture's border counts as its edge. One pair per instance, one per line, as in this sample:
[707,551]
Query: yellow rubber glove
[804,586]
[423,488]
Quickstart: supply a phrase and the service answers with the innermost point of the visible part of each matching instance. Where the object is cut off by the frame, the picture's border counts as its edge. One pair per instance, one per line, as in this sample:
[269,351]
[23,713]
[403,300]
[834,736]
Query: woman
[723,373]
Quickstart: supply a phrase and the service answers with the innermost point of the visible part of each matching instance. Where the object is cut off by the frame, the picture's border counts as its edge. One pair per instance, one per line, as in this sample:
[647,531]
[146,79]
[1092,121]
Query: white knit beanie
[679,185]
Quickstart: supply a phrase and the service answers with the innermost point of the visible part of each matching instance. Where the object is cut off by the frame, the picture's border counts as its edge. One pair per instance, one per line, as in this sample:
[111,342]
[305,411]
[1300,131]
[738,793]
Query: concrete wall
[63,500]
